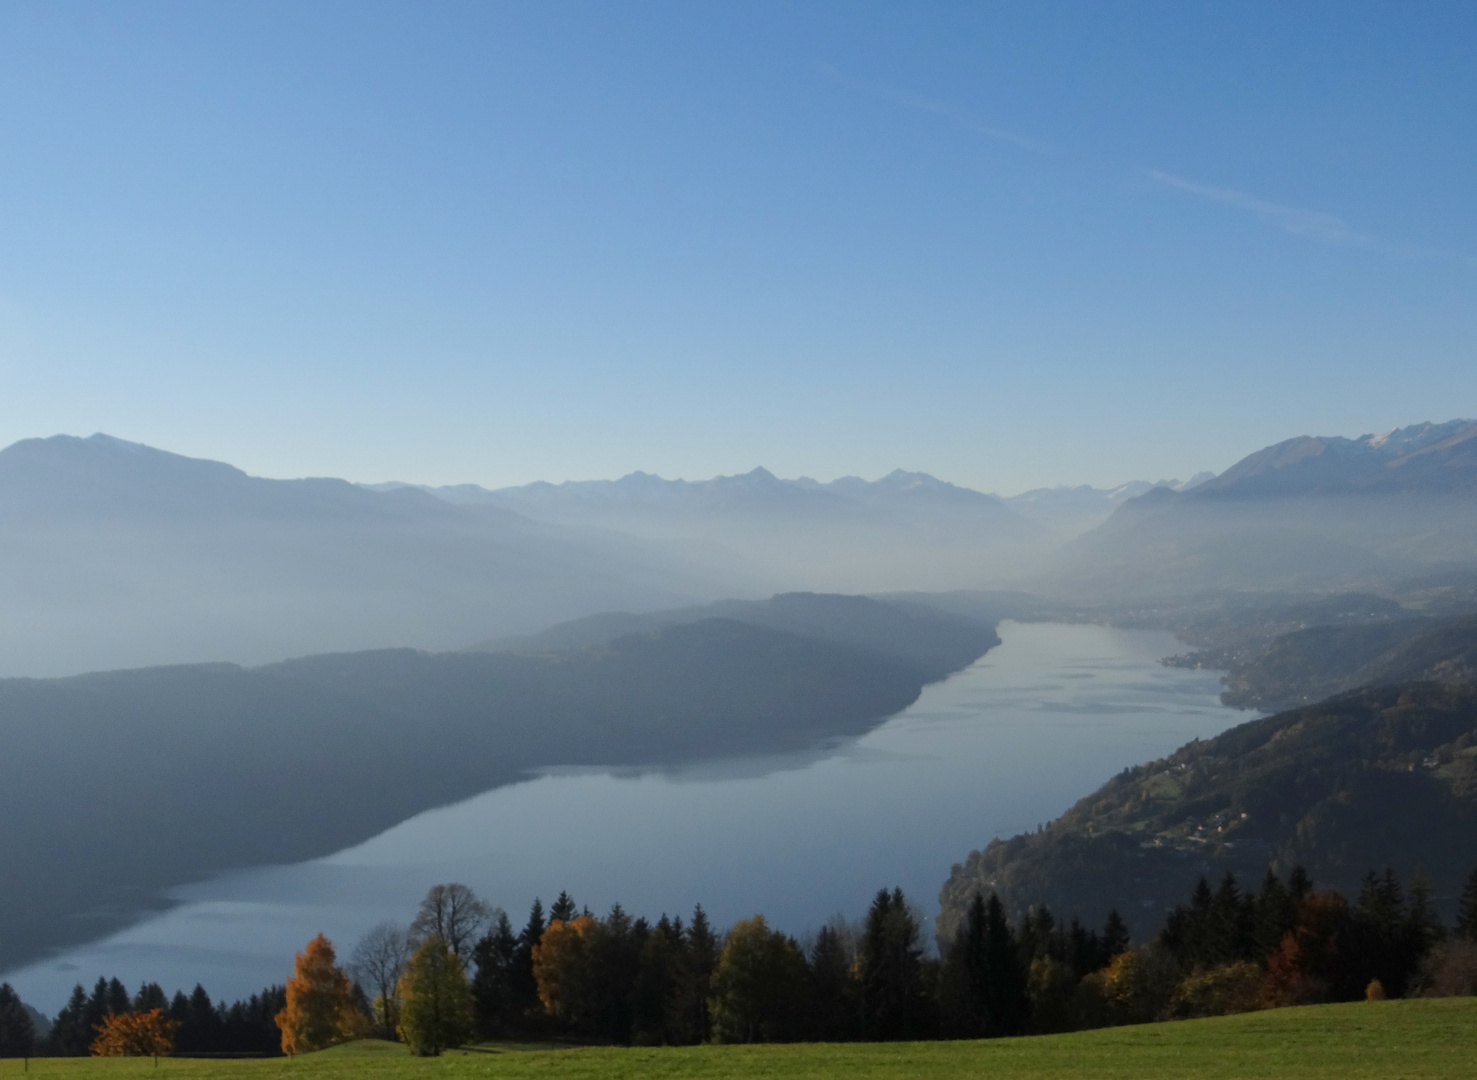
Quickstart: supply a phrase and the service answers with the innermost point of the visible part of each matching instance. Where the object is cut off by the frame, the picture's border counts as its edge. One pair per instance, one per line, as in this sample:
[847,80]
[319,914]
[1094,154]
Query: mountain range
[114,555]
[1306,514]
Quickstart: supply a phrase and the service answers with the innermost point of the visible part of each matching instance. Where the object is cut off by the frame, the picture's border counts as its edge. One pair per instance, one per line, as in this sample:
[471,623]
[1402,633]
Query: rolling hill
[1373,778]
[116,786]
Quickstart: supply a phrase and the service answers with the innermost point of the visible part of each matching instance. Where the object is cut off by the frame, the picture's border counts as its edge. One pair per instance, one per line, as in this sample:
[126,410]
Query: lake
[1008,743]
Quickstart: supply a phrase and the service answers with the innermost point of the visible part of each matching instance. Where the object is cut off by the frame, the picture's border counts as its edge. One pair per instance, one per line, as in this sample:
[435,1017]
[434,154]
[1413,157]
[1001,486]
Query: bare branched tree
[453,913]
[377,964]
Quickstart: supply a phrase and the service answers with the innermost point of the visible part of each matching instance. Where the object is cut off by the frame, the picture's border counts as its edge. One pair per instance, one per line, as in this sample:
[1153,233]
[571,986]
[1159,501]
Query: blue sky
[1009,244]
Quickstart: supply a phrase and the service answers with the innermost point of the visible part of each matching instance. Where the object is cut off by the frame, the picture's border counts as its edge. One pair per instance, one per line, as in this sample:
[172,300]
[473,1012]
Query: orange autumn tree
[561,963]
[144,1034]
[320,1003]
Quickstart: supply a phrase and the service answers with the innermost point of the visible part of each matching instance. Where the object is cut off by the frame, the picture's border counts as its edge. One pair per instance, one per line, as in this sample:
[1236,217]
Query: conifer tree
[832,989]
[1008,1007]
[563,909]
[436,1000]
[150,996]
[70,1036]
[1274,914]
[526,1003]
[1299,885]
[1466,916]
[17,1032]
[890,971]
[967,973]
[695,978]
[1115,937]
[320,1009]
[493,992]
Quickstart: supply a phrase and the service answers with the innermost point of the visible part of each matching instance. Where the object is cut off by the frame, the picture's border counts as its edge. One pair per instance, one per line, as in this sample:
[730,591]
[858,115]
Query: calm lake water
[1010,742]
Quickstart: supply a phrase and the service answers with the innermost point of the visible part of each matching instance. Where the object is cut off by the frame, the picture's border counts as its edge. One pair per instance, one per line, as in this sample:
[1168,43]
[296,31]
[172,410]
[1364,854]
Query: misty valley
[242,712]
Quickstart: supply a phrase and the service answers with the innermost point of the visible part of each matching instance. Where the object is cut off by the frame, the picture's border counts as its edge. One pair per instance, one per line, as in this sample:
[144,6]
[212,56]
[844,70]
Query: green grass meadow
[1384,1040]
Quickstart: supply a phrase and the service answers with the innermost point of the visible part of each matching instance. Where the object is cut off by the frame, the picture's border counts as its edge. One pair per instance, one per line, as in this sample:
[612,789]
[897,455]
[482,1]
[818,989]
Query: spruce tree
[524,987]
[118,1001]
[968,974]
[1274,914]
[833,1001]
[700,960]
[1299,885]
[1115,937]
[150,996]
[493,994]
[563,908]
[1008,1006]
[17,1032]
[70,1035]
[1466,915]
[890,967]
[1228,933]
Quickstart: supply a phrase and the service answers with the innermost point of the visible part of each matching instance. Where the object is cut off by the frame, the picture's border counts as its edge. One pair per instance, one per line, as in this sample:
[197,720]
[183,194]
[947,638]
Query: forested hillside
[1312,664]
[1377,777]
[117,785]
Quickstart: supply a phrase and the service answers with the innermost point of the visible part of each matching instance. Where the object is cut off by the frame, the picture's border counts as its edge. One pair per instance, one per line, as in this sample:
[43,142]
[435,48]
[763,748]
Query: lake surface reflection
[1010,742]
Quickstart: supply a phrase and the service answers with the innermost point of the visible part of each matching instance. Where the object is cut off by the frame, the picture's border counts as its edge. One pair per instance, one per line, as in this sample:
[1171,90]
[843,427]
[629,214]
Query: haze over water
[1009,743]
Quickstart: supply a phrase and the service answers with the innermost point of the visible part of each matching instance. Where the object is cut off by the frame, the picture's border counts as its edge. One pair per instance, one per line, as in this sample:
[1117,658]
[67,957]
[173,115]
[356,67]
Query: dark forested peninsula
[1375,777]
[119,785]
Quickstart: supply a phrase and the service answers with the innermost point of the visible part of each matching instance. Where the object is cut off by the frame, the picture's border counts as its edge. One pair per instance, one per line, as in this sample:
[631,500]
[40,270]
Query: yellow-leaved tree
[320,1003]
[142,1034]
[561,967]
[435,1000]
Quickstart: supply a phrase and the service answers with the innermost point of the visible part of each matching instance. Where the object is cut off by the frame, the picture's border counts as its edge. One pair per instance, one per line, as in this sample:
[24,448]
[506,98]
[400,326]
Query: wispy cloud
[1313,224]
[1310,224]
[962,117]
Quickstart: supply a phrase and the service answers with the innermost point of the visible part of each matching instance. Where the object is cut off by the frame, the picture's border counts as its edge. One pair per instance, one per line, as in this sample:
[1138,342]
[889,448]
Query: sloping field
[1385,1040]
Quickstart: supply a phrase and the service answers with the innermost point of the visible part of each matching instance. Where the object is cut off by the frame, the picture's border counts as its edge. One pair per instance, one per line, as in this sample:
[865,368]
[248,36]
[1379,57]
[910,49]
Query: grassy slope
[1388,1041]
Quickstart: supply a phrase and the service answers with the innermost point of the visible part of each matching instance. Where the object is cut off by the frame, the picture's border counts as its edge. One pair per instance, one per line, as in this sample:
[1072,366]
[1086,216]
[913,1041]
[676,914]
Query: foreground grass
[1384,1040]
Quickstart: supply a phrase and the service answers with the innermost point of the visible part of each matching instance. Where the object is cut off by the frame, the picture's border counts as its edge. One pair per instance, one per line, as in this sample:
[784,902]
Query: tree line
[461,972]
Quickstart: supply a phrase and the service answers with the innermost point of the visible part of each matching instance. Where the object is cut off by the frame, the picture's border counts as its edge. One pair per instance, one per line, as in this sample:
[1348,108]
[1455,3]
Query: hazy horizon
[496,243]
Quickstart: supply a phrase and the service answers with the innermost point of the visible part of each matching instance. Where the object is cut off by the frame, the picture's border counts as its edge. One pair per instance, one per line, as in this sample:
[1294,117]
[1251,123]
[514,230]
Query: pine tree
[966,974]
[1009,1009]
[150,996]
[832,990]
[320,1008]
[695,981]
[17,1032]
[526,1005]
[654,989]
[1274,914]
[436,1009]
[1229,932]
[70,1036]
[1115,937]
[1466,918]
[1299,885]
[563,908]
[890,969]
[494,1000]
[118,1001]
